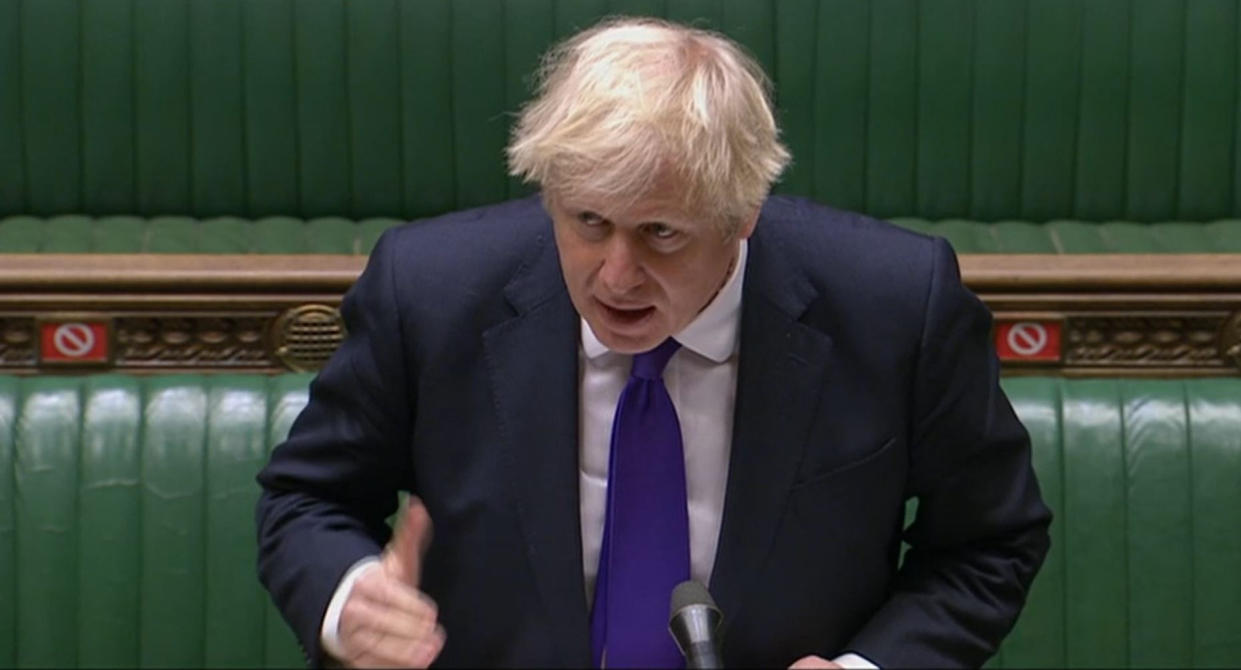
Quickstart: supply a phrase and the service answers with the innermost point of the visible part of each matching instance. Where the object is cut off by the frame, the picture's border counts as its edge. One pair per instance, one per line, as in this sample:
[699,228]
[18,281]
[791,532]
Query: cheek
[693,283]
[575,260]
[678,285]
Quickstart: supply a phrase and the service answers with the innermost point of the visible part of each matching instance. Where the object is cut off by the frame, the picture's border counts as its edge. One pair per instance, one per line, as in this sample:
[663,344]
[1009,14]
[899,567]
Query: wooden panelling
[1078,315]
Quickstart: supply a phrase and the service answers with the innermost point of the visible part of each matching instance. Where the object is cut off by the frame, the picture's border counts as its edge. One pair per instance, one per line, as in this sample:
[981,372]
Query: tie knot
[650,364]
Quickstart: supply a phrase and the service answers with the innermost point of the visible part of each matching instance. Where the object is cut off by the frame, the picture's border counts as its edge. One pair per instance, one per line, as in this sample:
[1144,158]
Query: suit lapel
[782,365]
[533,366]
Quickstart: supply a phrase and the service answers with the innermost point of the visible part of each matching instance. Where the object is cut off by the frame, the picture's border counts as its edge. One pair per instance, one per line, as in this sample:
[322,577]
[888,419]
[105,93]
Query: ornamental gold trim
[227,341]
[18,342]
[1143,341]
[1230,340]
[305,337]
[1122,315]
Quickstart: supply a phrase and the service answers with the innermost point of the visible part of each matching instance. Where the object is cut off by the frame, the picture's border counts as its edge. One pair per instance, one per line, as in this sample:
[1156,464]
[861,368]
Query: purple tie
[645,551]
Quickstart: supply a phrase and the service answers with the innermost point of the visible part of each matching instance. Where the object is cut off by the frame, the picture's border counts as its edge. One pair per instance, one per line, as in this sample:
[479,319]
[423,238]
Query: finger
[390,652]
[813,662]
[403,555]
[371,648]
[361,618]
[385,591]
[435,645]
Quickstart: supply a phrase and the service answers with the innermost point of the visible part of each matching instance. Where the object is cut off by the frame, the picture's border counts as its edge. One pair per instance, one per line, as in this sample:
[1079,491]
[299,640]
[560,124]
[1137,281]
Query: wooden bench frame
[1114,315]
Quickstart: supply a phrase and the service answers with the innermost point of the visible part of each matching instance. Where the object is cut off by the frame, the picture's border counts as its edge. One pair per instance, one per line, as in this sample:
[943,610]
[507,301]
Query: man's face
[639,273]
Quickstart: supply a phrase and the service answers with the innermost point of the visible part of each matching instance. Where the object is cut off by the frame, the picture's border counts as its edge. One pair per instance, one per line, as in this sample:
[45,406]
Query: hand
[386,621]
[814,662]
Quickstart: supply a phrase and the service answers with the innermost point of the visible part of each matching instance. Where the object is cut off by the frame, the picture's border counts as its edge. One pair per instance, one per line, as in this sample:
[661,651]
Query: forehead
[664,202]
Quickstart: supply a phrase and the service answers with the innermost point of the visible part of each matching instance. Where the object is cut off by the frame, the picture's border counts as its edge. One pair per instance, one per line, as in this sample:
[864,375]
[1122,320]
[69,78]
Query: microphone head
[693,622]
[690,593]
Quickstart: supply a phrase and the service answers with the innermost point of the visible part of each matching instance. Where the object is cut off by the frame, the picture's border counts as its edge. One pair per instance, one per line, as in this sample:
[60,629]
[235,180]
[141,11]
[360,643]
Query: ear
[747,227]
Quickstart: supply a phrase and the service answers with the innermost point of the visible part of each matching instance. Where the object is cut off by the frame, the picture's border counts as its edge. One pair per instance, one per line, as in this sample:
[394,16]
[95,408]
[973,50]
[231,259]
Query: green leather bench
[970,110]
[127,539]
[286,126]
[335,235]
[127,520]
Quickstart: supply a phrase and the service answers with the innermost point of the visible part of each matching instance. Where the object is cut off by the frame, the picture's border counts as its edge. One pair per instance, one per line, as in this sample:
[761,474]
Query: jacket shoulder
[833,247]
[490,237]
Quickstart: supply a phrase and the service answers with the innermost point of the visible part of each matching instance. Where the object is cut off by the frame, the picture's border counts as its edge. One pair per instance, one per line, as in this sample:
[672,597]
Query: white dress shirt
[701,378]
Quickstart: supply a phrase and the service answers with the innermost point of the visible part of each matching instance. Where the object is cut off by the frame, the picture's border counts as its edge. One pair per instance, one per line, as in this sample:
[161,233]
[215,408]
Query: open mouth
[626,316]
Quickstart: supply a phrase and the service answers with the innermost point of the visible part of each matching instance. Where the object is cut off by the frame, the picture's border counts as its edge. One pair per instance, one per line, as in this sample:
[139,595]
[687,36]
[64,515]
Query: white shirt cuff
[328,634]
[852,660]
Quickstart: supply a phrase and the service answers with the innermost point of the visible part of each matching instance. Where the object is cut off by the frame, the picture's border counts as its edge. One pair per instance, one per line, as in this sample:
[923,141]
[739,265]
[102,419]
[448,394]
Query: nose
[621,271]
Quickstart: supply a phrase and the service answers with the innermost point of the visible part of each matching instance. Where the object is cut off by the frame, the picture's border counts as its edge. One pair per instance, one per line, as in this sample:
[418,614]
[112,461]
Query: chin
[628,343]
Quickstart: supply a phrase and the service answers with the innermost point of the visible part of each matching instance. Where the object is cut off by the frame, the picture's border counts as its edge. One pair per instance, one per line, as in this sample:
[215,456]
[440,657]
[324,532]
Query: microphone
[693,620]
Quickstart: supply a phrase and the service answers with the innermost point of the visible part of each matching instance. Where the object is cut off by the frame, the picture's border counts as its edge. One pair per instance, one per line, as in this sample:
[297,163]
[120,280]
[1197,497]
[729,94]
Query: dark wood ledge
[178,273]
[1101,315]
[982,272]
[1121,273]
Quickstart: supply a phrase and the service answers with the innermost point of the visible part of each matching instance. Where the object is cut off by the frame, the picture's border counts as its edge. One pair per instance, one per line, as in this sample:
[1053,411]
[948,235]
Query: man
[653,372]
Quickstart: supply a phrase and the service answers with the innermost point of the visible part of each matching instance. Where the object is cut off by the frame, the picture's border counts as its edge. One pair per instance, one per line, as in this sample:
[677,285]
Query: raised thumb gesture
[402,558]
[387,621]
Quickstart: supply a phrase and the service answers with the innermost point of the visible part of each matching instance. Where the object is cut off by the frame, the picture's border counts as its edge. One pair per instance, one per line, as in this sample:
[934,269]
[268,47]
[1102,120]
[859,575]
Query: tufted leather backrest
[1145,481]
[1055,109]
[127,520]
[127,536]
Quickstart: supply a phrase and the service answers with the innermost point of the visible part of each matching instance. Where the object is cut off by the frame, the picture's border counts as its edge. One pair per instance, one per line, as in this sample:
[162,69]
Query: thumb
[402,557]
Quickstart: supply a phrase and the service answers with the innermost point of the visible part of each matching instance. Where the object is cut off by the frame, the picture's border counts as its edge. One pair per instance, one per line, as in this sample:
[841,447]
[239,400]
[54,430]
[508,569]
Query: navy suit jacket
[866,378]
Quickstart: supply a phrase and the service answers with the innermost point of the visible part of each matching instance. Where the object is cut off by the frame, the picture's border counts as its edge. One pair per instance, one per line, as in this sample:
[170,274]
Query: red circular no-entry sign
[74,342]
[1028,340]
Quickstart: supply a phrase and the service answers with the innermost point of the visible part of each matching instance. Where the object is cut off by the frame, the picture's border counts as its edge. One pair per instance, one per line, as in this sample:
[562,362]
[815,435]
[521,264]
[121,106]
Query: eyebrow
[579,210]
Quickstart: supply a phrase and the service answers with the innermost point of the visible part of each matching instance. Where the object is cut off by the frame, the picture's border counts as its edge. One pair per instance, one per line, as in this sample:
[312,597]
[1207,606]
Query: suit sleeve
[980,533]
[328,489]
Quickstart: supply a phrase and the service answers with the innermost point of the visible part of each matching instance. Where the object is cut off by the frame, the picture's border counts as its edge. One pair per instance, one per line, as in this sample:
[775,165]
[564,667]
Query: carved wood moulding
[1117,314]
[1096,315]
[171,313]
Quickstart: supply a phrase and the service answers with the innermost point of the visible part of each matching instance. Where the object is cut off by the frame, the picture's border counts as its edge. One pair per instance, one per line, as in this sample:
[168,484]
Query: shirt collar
[712,334]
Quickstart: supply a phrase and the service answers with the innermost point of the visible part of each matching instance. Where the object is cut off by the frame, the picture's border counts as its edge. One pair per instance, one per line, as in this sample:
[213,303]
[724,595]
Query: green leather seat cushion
[127,536]
[1082,237]
[1145,481]
[285,235]
[179,234]
[126,520]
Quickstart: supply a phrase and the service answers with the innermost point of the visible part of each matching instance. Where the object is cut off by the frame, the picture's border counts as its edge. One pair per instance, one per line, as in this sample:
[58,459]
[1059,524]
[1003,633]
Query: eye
[590,219]
[661,231]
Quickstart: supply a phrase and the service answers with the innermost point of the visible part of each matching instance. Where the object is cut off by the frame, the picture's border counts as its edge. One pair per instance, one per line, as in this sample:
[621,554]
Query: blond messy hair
[629,101]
